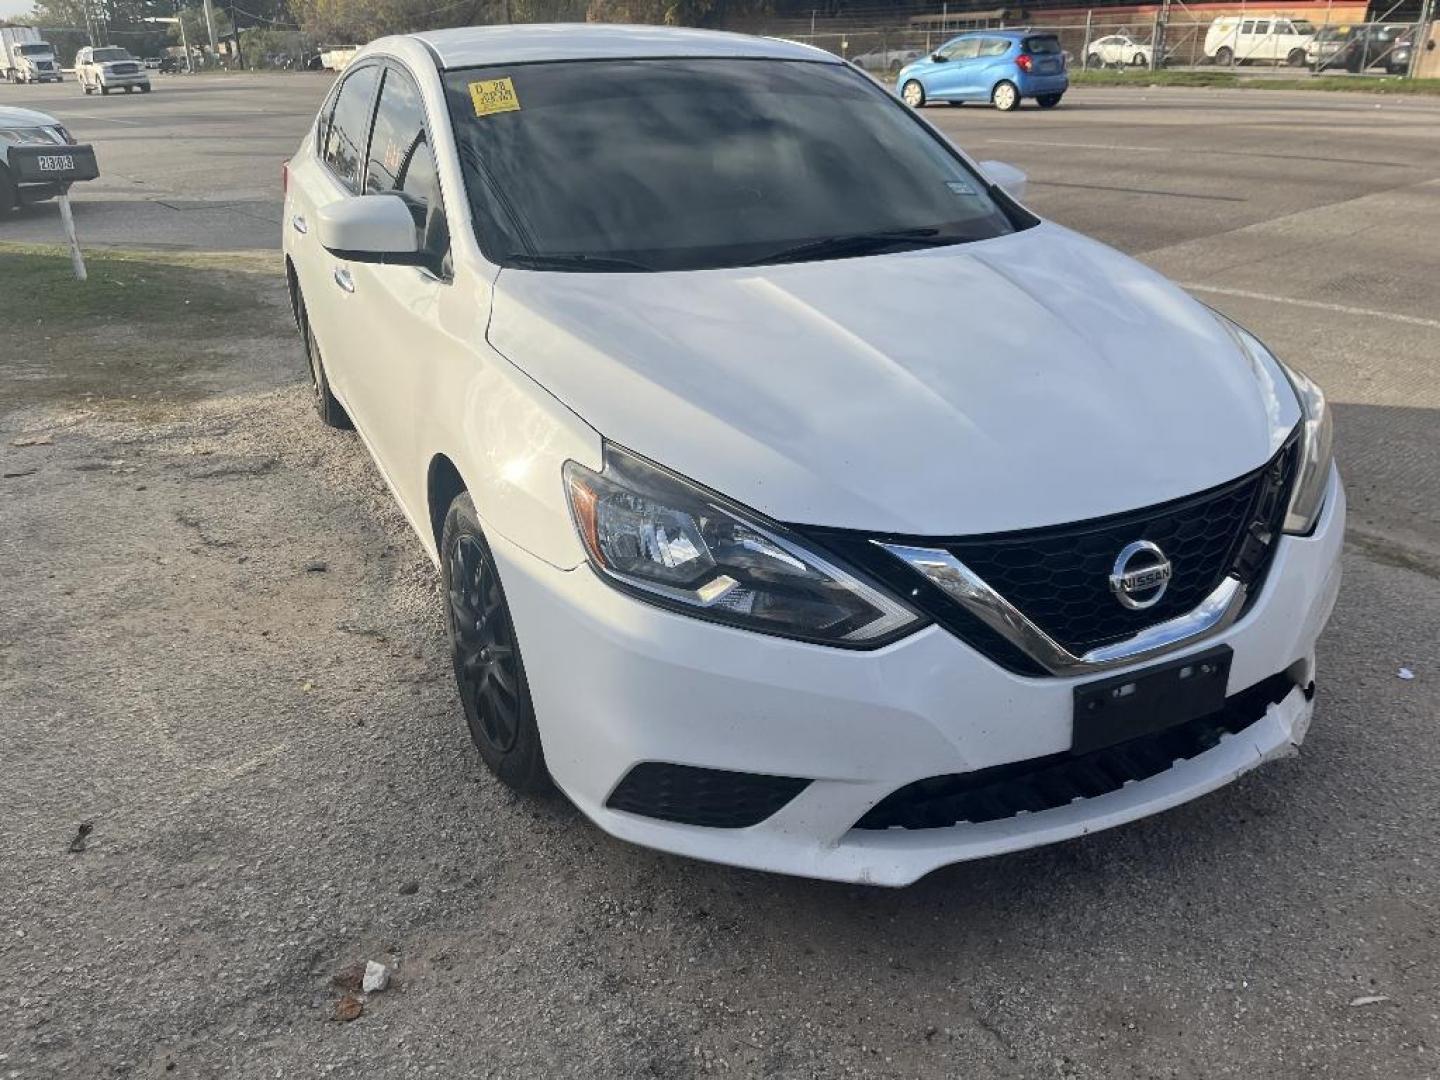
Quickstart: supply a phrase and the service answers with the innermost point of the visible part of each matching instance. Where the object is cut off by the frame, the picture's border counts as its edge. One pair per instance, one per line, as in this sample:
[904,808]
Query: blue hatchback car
[999,66]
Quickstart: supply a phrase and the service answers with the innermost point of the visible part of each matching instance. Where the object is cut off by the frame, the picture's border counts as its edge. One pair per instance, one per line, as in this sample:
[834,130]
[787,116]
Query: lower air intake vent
[714,797]
[1059,779]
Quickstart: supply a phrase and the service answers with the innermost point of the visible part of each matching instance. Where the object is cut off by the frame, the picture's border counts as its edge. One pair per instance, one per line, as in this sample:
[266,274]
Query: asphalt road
[280,785]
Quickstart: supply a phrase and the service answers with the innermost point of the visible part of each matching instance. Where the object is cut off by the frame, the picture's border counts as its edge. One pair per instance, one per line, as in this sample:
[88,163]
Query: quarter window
[345,138]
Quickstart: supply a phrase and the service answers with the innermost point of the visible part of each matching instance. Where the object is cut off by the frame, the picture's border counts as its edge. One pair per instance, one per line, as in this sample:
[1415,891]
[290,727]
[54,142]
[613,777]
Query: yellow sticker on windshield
[494,96]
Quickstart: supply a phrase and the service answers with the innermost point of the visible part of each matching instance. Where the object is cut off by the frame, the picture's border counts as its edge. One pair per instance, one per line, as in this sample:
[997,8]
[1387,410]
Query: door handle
[298,224]
[343,279]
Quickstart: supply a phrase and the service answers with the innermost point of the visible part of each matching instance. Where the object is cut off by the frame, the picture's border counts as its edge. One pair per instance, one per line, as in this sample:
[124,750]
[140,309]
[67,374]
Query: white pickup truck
[26,57]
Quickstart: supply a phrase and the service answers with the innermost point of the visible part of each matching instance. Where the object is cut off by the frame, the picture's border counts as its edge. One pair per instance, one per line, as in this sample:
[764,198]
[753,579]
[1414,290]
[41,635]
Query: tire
[1094,61]
[327,405]
[1138,60]
[1224,55]
[87,89]
[489,672]
[1296,58]
[129,89]
[1048,101]
[913,94]
[1005,96]
[145,89]
[104,91]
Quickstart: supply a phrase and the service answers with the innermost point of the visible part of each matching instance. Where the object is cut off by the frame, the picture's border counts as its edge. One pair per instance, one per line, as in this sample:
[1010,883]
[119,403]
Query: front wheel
[1296,58]
[1006,96]
[489,673]
[1048,101]
[144,89]
[1138,60]
[1094,61]
[104,91]
[913,94]
[1224,56]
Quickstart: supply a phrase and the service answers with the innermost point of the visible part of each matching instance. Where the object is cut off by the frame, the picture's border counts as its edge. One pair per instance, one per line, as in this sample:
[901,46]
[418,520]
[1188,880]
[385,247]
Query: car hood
[1028,380]
[10,117]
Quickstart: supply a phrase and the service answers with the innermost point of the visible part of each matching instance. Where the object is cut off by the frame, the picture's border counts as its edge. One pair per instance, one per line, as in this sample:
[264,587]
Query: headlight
[673,543]
[1317,440]
[1317,451]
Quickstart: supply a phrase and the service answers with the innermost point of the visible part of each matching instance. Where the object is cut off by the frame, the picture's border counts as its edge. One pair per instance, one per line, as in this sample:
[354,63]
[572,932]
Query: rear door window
[994,47]
[345,139]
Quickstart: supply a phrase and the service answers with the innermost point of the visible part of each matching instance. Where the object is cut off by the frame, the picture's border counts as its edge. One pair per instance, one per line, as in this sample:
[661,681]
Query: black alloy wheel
[489,671]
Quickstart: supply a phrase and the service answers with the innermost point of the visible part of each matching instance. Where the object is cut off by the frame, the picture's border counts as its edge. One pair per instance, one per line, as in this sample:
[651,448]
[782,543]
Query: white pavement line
[1321,305]
[107,119]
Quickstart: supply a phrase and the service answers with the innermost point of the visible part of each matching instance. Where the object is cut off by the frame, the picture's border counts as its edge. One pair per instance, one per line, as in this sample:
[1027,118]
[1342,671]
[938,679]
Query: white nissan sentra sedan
[802,500]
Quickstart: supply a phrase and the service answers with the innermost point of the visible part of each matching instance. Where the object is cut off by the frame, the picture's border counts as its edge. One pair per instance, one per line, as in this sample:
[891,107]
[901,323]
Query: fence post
[1085,52]
[1420,36]
[1155,36]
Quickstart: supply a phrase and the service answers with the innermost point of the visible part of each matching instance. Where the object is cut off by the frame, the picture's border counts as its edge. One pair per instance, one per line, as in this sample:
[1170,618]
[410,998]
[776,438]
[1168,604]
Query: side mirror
[1006,177]
[937,58]
[371,229]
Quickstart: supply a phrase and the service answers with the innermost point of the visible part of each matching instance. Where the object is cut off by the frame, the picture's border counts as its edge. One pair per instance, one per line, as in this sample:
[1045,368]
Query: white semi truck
[26,57]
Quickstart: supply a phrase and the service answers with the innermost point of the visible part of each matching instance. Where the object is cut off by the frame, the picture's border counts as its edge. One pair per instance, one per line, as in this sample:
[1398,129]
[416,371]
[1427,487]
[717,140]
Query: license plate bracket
[1125,707]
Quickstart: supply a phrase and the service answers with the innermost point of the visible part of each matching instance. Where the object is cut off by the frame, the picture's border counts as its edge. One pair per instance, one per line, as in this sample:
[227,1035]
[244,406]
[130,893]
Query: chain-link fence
[1329,42]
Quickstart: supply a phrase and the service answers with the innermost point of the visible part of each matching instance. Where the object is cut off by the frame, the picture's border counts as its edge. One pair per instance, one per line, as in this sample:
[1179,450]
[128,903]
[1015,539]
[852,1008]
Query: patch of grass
[39,287]
[144,326]
[1352,84]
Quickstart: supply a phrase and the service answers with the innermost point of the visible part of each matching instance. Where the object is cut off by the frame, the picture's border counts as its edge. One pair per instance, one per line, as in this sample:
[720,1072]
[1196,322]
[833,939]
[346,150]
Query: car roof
[471,46]
[1021,33]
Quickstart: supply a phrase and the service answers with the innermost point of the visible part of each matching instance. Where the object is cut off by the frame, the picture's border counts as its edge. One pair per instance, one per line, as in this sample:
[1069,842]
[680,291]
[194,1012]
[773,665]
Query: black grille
[1059,577]
[1059,779]
[715,797]
[124,69]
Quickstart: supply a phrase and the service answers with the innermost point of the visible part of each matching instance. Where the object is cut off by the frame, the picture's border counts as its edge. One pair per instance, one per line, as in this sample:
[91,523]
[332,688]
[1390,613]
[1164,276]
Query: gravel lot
[220,645]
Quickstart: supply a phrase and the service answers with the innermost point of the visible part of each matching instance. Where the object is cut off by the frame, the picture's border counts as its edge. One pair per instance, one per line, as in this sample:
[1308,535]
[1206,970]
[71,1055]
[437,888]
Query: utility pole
[184,41]
[210,26]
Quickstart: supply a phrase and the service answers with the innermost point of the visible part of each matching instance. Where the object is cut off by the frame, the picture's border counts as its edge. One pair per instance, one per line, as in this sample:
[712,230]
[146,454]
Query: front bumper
[110,82]
[617,682]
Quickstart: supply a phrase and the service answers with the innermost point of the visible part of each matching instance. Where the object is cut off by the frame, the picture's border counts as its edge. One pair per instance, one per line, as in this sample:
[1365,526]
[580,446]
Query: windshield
[693,164]
[38,48]
[1302,26]
[101,56]
[1043,46]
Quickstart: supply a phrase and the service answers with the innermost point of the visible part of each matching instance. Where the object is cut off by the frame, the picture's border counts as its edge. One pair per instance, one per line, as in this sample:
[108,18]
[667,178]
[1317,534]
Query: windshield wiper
[575,260]
[871,243]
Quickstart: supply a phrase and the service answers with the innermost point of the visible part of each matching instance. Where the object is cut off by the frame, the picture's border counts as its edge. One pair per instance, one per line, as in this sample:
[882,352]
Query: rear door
[334,169]
[989,67]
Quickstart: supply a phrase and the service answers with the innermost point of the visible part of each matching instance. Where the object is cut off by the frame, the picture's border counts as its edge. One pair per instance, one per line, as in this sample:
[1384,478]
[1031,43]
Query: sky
[11,8]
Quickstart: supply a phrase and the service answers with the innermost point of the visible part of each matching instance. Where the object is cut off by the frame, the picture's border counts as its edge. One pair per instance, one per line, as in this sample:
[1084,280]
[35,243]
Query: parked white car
[109,67]
[885,61]
[1115,50]
[797,502]
[1232,39]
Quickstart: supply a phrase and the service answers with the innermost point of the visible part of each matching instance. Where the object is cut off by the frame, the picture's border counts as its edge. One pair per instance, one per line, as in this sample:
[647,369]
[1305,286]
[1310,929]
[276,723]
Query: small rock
[349,978]
[84,829]
[377,978]
[316,566]
[1405,673]
[348,1008]
[1372,999]
[410,888]
[33,440]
